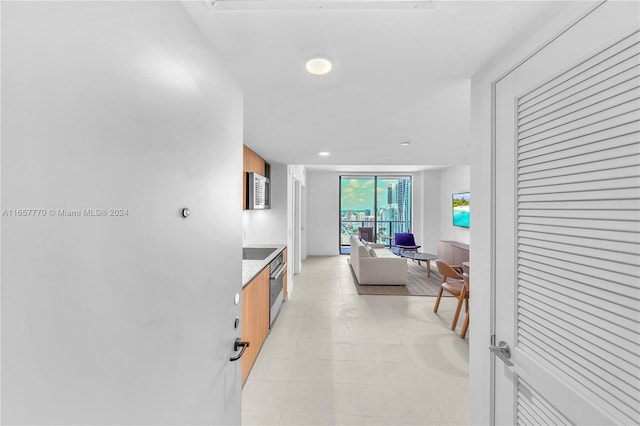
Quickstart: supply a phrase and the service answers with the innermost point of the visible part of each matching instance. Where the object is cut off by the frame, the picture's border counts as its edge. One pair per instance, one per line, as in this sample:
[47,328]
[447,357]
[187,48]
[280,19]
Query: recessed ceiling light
[405,143]
[318,66]
[323,154]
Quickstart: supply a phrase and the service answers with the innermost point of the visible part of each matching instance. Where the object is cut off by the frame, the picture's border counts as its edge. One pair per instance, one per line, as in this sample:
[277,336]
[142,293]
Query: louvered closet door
[578,206]
[575,241]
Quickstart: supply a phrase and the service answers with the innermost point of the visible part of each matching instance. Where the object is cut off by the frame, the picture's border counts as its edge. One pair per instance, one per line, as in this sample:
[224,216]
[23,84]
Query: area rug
[417,283]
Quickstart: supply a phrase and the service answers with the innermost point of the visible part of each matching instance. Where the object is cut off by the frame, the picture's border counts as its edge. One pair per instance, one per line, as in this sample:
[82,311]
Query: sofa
[375,264]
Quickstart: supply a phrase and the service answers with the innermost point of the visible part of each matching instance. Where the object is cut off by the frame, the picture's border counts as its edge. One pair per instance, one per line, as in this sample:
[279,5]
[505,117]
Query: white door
[567,234]
[116,309]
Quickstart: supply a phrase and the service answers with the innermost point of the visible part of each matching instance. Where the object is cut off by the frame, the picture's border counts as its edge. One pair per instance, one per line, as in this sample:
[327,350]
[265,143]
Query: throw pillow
[372,252]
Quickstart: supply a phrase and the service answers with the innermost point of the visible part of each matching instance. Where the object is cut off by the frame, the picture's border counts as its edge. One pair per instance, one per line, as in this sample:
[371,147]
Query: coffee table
[427,257]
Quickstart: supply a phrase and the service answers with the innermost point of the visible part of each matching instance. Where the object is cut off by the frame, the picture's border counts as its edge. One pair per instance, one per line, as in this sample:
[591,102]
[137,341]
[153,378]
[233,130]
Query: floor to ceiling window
[379,202]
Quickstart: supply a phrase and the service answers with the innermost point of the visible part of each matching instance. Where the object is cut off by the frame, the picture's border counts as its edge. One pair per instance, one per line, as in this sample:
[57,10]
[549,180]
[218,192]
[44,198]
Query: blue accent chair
[405,241]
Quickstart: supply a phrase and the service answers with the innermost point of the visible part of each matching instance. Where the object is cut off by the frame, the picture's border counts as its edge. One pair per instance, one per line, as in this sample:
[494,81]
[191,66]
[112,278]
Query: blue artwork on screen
[461,212]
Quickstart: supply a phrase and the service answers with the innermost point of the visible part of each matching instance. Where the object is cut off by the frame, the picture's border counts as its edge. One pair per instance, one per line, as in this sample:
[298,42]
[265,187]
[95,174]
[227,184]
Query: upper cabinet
[252,162]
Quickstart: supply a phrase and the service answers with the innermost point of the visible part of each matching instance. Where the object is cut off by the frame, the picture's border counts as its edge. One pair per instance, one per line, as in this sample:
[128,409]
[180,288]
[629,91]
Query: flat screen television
[461,213]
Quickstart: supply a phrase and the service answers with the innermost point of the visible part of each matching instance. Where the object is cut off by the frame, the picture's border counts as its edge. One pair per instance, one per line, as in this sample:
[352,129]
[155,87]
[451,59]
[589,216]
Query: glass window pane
[357,206]
[393,205]
[381,203]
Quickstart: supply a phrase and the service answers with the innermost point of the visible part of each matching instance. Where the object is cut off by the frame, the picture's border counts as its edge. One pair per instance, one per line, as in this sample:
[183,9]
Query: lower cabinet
[453,252]
[255,318]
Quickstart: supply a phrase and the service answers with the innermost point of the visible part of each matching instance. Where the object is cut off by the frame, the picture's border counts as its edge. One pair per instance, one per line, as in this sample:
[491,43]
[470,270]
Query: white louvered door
[567,234]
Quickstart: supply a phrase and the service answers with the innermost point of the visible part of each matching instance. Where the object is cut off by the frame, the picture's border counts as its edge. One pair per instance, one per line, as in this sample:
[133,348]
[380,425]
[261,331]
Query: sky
[357,193]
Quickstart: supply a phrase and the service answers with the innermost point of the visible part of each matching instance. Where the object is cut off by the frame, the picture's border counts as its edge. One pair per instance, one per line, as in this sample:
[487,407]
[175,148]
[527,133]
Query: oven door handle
[278,272]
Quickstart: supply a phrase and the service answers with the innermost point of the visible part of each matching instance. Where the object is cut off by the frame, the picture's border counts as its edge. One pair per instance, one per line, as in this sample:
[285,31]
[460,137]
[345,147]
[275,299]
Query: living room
[431,205]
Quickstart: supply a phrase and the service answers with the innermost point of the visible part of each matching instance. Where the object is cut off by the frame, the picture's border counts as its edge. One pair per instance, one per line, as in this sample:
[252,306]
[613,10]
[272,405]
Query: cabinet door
[284,285]
[255,318]
[445,252]
[442,255]
[460,255]
[253,162]
[245,158]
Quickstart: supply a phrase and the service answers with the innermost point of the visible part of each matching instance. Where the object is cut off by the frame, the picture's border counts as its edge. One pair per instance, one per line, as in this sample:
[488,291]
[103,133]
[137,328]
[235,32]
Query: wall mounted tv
[461,213]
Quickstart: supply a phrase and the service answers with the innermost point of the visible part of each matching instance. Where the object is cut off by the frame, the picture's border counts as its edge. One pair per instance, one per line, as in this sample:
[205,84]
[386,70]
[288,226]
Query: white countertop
[251,268]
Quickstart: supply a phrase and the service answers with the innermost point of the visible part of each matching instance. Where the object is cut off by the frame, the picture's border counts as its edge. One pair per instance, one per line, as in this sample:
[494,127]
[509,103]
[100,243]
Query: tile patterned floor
[337,358]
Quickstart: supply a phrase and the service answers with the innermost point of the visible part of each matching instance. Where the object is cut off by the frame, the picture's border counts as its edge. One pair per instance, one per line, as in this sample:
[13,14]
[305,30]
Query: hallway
[337,358]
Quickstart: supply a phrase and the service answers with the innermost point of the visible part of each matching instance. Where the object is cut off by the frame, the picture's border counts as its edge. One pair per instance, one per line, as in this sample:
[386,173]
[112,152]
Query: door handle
[276,274]
[503,352]
[237,345]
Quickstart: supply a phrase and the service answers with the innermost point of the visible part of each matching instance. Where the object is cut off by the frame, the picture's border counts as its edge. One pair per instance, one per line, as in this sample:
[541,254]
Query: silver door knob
[503,352]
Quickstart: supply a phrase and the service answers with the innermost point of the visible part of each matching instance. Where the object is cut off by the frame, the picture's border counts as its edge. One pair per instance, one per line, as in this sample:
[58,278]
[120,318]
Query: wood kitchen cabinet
[453,252]
[252,162]
[255,318]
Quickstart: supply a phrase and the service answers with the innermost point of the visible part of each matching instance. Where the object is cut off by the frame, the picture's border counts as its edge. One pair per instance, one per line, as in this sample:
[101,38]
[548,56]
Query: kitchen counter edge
[251,268]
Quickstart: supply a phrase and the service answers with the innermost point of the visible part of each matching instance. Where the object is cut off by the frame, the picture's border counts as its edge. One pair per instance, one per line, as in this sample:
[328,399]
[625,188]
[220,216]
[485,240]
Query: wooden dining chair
[465,326]
[453,282]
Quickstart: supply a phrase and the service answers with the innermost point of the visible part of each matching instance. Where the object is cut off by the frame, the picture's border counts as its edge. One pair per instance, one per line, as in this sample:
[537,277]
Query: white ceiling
[398,75]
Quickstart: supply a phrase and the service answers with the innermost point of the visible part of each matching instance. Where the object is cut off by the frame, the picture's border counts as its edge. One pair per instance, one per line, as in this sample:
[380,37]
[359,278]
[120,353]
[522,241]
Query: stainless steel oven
[276,285]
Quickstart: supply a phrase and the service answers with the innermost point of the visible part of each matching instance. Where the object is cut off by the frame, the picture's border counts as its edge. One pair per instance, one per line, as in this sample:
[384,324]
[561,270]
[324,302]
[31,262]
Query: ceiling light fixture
[405,143]
[318,66]
[324,154]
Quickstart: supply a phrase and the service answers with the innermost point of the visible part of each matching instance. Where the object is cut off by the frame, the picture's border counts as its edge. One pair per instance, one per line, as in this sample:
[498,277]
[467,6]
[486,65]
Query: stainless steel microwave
[258,192]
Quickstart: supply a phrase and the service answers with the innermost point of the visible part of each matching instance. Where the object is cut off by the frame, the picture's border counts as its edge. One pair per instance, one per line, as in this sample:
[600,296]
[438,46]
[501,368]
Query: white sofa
[375,264]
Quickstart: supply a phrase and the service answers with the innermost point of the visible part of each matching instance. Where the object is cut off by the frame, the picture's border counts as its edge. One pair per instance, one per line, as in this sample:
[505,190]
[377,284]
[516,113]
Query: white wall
[295,173]
[322,213]
[431,182]
[269,226]
[118,320]
[480,366]
[323,196]
[453,180]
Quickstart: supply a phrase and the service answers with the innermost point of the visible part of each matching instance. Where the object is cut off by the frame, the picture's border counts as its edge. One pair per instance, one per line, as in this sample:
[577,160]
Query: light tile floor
[337,358]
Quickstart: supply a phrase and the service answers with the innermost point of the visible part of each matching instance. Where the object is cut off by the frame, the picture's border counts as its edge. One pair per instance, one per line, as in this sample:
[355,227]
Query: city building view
[379,202]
